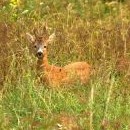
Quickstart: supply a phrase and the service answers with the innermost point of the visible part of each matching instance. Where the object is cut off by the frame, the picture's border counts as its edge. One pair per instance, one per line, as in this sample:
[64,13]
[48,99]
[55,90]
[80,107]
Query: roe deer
[54,75]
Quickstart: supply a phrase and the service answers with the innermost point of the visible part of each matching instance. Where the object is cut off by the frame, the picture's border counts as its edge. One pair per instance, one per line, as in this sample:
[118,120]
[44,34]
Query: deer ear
[30,37]
[51,37]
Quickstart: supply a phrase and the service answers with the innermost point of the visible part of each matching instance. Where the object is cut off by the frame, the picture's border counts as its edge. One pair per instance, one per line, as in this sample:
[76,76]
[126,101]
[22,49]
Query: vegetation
[95,31]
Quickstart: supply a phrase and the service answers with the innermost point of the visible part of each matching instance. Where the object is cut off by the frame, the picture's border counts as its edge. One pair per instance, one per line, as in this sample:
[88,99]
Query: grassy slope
[94,32]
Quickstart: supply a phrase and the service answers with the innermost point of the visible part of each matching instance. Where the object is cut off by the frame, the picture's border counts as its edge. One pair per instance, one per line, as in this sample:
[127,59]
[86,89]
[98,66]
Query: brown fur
[55,76]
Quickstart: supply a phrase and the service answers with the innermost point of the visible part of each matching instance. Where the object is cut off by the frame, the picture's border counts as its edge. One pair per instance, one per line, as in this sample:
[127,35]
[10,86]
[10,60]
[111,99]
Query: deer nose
[39,54]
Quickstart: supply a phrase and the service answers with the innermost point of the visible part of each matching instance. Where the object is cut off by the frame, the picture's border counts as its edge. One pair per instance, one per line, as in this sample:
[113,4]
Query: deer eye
[35,46]
[44,46]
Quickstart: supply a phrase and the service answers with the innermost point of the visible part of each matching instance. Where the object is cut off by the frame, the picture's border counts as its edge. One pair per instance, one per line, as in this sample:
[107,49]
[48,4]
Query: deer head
[40,42]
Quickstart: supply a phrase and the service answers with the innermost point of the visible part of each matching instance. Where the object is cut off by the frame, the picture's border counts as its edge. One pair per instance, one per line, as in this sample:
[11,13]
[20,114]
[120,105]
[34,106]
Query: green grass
[96,32]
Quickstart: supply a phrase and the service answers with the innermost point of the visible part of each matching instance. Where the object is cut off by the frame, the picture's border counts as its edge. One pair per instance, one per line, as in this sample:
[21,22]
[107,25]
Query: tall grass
[93,31]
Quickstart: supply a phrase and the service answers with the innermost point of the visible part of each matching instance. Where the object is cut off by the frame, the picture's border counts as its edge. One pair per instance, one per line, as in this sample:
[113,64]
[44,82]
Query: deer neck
[43,64]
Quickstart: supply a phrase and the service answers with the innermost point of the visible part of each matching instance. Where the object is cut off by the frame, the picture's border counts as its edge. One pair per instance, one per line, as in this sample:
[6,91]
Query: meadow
[97,32]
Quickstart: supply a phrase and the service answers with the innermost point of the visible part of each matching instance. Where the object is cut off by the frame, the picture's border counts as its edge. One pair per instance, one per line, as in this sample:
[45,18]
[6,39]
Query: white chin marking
[40,57]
